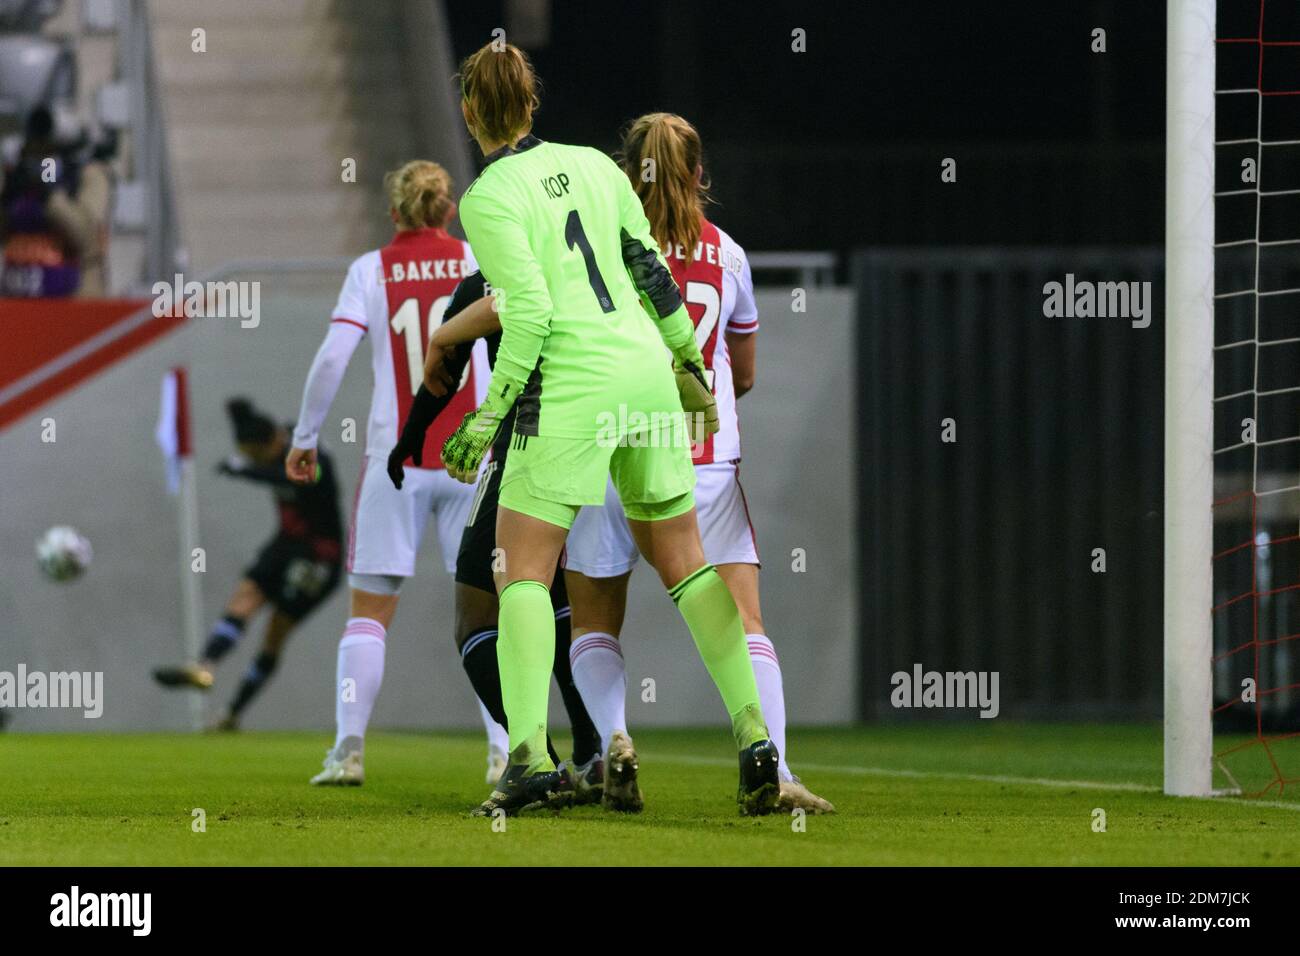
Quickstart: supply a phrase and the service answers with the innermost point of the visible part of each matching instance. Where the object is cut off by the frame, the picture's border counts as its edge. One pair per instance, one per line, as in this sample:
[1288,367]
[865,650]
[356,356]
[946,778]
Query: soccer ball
[63,553]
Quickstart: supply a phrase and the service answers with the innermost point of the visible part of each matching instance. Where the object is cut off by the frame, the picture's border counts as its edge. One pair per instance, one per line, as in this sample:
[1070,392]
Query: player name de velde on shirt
[708,252]
[425,270]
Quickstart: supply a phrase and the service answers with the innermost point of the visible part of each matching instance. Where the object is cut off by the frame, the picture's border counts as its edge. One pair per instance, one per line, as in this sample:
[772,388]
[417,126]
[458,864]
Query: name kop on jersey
[708,252]
[425,270]
[557,186]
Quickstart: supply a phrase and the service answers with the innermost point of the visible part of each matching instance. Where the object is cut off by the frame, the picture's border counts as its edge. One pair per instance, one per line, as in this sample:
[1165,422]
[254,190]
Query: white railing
[815,269]
[150,167]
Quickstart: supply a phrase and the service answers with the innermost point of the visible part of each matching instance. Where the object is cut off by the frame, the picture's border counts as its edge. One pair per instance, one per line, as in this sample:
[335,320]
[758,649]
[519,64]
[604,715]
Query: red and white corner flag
[175,438]
[173,432]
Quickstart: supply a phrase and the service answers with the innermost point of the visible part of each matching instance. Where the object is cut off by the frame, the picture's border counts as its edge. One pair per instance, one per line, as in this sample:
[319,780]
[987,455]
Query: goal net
[1233,398]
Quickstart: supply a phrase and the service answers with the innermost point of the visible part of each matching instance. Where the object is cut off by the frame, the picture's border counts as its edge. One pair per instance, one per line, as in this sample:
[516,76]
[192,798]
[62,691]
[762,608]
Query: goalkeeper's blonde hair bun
[499,86]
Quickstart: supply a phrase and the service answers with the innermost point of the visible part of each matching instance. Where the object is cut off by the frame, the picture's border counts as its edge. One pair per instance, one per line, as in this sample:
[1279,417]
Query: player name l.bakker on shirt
[426,270]
[563,223]
[396,296]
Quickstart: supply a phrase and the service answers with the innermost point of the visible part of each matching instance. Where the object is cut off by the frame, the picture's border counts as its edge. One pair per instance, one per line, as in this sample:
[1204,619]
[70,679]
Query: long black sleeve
[426,406]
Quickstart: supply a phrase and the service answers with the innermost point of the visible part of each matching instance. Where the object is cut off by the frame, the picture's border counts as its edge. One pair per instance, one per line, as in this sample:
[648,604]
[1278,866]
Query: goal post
[1189,395]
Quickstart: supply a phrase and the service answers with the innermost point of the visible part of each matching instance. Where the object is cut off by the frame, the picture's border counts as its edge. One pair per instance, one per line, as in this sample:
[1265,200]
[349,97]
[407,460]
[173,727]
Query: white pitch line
[976,777]
[1246,802]
[926,774]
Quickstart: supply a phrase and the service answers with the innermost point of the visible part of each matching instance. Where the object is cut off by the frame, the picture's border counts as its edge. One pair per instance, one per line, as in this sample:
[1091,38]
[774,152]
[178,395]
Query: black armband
[651,276]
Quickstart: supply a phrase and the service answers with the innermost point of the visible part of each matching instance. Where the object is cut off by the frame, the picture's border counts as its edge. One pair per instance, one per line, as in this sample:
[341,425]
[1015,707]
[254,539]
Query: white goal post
[1189,395]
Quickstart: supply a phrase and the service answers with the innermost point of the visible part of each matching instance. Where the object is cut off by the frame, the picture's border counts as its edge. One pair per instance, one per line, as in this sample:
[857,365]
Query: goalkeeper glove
[464,449]
[696,397]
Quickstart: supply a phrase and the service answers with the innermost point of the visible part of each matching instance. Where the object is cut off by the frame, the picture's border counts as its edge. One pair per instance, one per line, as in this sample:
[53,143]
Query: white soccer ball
[63,553]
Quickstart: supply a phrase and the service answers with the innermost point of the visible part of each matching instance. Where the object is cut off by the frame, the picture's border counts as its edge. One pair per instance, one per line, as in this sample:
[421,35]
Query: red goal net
[1256,611]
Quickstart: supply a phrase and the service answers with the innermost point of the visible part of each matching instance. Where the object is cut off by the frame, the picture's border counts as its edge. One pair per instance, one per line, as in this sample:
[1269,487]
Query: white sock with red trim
[771,695]
[360,673]
[598,672]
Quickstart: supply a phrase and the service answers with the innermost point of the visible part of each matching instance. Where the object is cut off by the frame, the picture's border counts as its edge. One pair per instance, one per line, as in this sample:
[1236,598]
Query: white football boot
[795,796]
[589,780]
[348,772]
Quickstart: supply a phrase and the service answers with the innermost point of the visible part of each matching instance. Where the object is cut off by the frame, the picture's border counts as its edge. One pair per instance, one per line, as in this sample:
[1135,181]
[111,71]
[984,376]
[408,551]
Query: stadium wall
[104,475]
[1025,538]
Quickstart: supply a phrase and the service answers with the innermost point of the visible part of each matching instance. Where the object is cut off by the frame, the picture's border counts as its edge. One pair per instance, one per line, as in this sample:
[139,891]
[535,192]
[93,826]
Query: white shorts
[388,525]
[600,542]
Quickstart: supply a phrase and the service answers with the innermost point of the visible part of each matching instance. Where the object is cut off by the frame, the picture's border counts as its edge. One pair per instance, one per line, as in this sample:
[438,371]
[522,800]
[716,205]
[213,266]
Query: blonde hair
[500,88]
[420,193]
[666,184]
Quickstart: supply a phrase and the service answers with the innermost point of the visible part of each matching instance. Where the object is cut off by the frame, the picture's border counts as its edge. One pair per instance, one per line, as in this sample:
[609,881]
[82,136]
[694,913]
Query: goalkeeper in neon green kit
[564,241]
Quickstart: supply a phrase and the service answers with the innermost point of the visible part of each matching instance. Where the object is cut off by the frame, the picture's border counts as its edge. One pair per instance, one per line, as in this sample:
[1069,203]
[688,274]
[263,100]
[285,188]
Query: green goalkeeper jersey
[561,237]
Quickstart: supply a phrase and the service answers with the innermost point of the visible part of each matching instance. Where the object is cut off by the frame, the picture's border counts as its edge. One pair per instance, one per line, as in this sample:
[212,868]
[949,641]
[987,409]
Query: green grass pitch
[915,794]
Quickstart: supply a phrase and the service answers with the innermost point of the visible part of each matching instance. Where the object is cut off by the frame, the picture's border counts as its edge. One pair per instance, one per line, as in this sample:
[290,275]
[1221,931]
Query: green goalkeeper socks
[525,655]
[711,614]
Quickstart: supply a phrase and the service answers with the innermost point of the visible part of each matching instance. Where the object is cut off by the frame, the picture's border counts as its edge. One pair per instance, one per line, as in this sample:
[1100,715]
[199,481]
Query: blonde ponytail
[661,153]
[500,88]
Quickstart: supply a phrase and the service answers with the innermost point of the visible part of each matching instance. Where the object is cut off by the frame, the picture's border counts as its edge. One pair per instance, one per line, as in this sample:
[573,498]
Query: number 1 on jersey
[573,235]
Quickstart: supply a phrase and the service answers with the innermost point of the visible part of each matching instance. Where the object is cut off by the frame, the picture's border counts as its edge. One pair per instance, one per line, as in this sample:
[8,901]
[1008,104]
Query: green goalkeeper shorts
[550,478]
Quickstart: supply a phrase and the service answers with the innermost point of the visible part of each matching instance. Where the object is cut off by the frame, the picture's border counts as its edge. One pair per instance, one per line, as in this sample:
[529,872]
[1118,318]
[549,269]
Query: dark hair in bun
[251,426]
